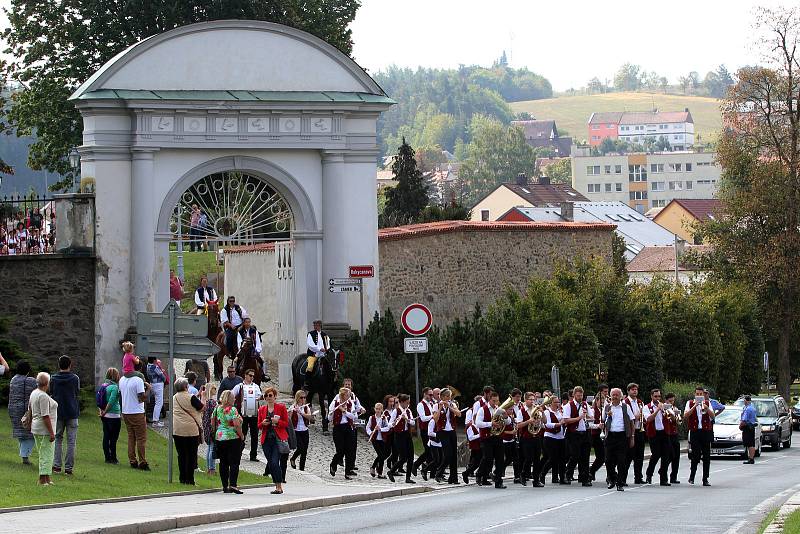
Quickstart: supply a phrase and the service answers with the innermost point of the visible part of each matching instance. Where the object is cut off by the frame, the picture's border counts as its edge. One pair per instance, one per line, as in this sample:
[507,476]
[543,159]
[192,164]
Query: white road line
[761,508]
[552,508]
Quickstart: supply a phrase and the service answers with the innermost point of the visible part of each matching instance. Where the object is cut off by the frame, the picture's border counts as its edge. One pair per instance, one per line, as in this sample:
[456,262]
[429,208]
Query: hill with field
[571,113]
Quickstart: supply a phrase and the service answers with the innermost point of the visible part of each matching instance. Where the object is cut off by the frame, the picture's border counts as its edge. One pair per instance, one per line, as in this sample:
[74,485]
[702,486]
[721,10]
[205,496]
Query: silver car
[728,437]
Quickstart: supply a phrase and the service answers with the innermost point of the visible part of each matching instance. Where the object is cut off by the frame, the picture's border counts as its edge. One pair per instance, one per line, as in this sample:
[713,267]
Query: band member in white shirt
[401,423]
[448,414]
[352,442]
[655,429]
[579,442]
[636,454]
[513,456]
[619,425]
[530,445]
[491,445]
[203,295]
[343,415]
[231,315]
[301,417]
[699,415]
[554,442]
[425,409]
[247,395]
[434,450]
[482,401]
[377,428]
[596,429]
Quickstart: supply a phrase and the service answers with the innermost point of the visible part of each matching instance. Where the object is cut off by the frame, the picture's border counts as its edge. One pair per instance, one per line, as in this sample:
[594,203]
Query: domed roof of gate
[232,55]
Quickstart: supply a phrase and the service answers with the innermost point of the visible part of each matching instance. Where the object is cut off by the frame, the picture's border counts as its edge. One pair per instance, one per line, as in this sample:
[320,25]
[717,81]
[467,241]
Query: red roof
[657,259]
[546,194]
[257,247]
[702,209]
[417,230]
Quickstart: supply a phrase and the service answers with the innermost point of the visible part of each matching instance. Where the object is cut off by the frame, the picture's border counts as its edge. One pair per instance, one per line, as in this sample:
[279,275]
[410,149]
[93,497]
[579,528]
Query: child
[130,361]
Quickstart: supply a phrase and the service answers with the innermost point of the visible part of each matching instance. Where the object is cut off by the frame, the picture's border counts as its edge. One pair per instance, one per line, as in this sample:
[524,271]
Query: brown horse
[248,359]
[216,335]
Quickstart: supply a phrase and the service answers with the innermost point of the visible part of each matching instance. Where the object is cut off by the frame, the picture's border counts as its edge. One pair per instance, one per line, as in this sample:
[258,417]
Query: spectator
[194,229]
[3,241]
[129,359]
[228,437]
[175,287]
[210,404]
[187,424]
[156,377]
[132,389]
[65,387]
[44,418]
[19,392]
[12,243]
[229,382]
[111,416]
[201,371]
[273,420]
[4,367]
[191,378]
[36,219]
[203,223]
[301,419]
[247,395]
[22,238]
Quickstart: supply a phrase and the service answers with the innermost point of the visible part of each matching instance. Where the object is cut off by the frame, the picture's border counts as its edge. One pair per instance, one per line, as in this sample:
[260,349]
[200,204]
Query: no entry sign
[417,319]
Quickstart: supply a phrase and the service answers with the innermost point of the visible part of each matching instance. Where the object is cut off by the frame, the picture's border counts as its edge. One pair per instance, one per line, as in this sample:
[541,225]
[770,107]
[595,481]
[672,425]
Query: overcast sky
[568,42]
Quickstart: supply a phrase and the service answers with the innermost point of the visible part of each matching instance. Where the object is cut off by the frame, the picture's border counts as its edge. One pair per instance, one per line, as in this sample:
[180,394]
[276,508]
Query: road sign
[155,345]
[344,289]
[344,281]
[159,323]
[415,344]
[362,271]
[555,381]
[416,319]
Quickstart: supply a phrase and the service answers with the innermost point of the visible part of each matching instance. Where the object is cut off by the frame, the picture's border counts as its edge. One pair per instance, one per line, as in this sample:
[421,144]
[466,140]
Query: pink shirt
[128,362]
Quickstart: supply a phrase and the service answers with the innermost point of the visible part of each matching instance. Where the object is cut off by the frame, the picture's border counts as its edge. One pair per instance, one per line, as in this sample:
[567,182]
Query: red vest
[337,414]
[691,420]
[443,419]
[523,431]
[487,416]
[650,427]
[553,419]
[640,404]
[597,420]
[398,427]
[508,431]
[670,427]
[573,412]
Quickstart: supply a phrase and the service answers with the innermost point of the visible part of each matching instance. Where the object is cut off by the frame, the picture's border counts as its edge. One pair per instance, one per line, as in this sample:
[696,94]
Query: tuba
[499,417]
[536,420]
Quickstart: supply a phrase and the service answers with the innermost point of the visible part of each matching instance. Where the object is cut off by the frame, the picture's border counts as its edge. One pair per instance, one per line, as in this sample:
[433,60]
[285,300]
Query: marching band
[534,436]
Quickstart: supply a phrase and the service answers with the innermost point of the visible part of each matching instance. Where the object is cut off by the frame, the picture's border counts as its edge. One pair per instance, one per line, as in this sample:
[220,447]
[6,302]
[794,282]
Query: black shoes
[293,463]
[648,480]
[611,485]
[676,481]
[537,484]
[409,481]
[619,488]
[706,482]
[587,484]
[691,480]
[390,474]
[749,462]
[333,470]
[639,481]
[464,477]
[665,484]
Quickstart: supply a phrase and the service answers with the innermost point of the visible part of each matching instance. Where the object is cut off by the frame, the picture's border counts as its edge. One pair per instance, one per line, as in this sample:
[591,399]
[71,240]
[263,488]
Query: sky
[568,42]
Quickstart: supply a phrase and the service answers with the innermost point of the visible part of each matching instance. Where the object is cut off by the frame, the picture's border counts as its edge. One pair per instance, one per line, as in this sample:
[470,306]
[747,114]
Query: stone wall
[50,302]
[451,266]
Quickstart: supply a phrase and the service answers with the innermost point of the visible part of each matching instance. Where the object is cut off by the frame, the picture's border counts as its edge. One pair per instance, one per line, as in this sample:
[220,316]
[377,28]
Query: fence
[27,225]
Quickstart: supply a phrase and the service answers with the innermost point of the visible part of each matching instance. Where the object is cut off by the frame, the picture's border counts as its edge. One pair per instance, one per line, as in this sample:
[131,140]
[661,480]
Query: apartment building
[637,126]
[644,180]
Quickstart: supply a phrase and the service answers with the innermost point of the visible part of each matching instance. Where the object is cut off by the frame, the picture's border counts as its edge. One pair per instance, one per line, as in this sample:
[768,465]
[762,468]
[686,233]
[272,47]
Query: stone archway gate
[264,99]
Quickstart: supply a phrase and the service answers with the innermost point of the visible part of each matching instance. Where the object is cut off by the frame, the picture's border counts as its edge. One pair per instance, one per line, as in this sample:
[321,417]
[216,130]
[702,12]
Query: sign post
[766,367]
[417,320]
[172,305]
[555,381]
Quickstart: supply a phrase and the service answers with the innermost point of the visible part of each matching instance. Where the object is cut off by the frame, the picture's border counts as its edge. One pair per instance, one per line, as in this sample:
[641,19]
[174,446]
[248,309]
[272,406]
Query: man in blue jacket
[65,387]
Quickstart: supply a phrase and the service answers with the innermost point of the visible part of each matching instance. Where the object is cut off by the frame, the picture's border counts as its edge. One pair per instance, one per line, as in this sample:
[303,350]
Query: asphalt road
[739,498]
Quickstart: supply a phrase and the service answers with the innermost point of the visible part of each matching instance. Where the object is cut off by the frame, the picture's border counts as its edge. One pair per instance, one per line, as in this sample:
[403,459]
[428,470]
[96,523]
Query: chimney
[544,180]
[686,110]
[568,211]
[522,179]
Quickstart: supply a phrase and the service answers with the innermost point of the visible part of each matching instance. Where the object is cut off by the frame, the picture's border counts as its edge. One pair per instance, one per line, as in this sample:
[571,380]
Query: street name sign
[415,344]
[362,271]
[344,289]
[344,281]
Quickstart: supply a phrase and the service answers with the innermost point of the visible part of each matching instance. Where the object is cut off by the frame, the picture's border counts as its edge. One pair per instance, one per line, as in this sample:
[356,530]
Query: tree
[663,82]
[717,82]
[58,44]
[628,77]
[595,86]
[662,144]
[560,172]
[408,198]
[758,236]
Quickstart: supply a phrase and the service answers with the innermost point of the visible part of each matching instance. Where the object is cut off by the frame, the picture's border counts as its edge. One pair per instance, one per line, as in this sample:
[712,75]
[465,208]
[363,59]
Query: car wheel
[776,445]
[788,442]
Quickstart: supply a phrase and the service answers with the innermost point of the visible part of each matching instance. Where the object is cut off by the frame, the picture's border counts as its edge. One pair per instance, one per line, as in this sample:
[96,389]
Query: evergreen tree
[406,200]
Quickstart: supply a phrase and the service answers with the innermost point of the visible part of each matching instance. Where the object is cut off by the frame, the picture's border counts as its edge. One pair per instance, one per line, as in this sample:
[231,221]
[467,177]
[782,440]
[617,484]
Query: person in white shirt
[482,401]
[203,295]
[434,451]
[491,445]
[133,391]
[425,409]
[619,424]
[401,423]
[317,345]
[301,417]
[231,317]
[636,454]
[445,417]
[247,395]
[352,442]
[4,368]
[343,416]
[660,448]
[474,443]
[377,427]
[579,442]
[554,442]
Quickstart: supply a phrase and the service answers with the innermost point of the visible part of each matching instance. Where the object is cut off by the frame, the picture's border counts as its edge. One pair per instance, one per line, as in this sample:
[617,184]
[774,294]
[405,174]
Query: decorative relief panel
[161,123]
[258,124]
[319,125]
[290,124]
[227,125]
[194,124]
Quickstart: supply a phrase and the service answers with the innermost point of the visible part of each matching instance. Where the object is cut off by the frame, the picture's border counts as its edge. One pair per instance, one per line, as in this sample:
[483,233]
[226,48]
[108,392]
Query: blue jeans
[270,448]
[26,447]
[210,462]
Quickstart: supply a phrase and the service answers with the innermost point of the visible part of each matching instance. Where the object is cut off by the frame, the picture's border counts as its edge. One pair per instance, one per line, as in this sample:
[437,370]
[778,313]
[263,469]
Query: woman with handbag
[210,404]
[273,420]
[19,391]
[187,425]
[301,419]
[228,439]
[41,419]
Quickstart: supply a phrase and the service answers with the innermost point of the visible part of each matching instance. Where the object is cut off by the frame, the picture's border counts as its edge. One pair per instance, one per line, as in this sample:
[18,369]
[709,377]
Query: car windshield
[730,416]
[764,407]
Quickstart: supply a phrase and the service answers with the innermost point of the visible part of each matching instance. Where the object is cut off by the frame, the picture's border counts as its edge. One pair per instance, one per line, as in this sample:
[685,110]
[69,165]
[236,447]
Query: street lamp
[75,162]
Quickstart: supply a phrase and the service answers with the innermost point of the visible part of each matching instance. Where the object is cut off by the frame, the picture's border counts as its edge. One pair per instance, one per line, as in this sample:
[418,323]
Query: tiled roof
[657,117]
[611,117]
[541,194]
[536,129]
[416,230]
[702,209]
[662,259]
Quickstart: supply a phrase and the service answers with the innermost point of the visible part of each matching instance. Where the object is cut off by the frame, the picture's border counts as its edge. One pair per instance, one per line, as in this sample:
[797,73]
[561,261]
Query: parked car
[728,437]
[774,418]
[796,416]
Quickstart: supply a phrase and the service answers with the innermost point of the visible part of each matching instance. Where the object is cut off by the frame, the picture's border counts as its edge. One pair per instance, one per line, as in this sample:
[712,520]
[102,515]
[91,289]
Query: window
[594,188]
[676,126]
[663,126]
[676,186]
[609,125]
[689,184]
[656,186]
[656,167]
[703,163]
[638,195]
[676,137]
[608,188]
[617,169]
[675,167]
[659,203]
[595,126]
[688,167]
[595,138]
[593,170]
[484,215]
[624,128]
[637,173]
[618,187]
[607,169]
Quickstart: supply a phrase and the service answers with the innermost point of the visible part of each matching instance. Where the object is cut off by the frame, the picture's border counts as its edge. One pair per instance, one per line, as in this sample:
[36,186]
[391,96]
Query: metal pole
[361,298]
[416,372]
[170,445]
[676,259]
[179,267]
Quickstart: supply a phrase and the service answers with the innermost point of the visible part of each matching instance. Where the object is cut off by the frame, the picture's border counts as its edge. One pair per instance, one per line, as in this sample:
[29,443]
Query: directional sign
[344,289]
[185,325]
[155,345]
[344,281]
[415,344]
[416,319]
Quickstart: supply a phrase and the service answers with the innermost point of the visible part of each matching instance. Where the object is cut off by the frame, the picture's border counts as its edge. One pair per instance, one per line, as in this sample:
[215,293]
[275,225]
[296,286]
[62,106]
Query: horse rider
[232,316]
[248,331]
[204,294]
[318,344]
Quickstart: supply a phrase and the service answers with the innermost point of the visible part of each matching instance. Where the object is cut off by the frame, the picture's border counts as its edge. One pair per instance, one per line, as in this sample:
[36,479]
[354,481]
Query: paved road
[738,499]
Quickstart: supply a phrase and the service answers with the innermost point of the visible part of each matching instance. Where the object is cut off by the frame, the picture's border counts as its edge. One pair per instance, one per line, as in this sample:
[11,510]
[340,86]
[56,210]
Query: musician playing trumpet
[672,421]
[579,443]
[377,428]
[446,414]
[491,443]
[528,420]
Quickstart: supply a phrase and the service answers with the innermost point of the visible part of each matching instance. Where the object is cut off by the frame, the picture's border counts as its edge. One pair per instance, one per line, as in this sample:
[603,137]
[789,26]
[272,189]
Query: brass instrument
[535,423]
[499,417]
[454,390]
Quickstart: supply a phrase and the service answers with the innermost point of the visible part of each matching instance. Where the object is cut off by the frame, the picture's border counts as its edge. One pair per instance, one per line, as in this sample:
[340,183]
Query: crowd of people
[28,232]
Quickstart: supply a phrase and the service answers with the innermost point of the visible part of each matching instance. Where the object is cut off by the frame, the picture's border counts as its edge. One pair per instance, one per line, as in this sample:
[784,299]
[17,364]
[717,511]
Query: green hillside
[571,113]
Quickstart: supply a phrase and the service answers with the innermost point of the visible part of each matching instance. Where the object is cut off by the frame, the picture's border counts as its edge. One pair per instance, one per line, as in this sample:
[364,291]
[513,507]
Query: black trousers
[250,424]
[187,456]
[229,452]
[599,447]
[435,461]
[350,452]
[425,456]
[660,450]
[381,453]
[700,440]
[531,451]
[555,459]
[342,434]
[391,448]
[405,452]
[635,455]
[616,458]
[475,456]
[579,446]
[491,453]
[111,428]
[449,452]
[510,458]
[302,448]
[675,457]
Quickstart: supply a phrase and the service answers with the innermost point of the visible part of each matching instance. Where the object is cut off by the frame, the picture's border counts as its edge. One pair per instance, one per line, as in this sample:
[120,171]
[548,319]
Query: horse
[246,360]
[322,382]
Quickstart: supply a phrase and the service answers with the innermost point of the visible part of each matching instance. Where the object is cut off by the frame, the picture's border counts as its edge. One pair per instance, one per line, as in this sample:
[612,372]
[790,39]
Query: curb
[792,504]
[201,519]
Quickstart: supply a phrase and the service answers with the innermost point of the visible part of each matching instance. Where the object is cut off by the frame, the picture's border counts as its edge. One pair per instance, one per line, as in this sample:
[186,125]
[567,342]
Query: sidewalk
[163,513]
[792,504]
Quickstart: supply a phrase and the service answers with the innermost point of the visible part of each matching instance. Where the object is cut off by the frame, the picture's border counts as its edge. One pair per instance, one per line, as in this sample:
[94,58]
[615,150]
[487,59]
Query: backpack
[101,397]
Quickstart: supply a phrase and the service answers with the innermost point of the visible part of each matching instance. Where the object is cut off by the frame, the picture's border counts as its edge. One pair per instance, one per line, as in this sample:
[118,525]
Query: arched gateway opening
[268,130]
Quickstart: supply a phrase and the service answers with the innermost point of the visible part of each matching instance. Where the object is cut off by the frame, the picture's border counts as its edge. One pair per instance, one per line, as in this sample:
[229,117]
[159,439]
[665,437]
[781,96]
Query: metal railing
[27,225]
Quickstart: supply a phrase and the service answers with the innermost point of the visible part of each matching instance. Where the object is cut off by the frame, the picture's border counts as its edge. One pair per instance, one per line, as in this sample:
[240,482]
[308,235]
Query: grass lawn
[792,523]
[93,478]
[767,520]
[572,112]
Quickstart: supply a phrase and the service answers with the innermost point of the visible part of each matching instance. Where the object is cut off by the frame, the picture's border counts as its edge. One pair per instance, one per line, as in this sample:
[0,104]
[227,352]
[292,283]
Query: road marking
[552,508]
[761,508]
